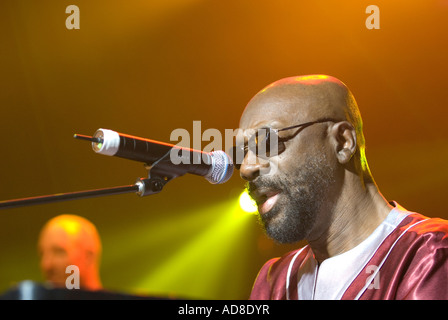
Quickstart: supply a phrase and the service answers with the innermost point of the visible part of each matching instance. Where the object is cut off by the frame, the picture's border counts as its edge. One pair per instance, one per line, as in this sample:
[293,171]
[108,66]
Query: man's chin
[56,283]
[273,223]
[284,228]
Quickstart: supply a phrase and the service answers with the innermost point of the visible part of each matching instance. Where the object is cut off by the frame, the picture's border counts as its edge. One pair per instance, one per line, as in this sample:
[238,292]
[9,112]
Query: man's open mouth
[265,199]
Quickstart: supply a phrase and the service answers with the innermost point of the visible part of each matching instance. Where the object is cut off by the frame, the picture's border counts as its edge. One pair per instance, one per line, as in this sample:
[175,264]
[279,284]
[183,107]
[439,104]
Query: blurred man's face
[57,250]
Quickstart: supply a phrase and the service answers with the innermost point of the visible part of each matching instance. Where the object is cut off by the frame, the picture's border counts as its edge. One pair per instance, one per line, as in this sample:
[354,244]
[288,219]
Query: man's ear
[344,140]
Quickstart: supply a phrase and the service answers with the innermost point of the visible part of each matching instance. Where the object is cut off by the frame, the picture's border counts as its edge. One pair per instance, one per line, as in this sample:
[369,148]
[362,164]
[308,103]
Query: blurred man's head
[70,240]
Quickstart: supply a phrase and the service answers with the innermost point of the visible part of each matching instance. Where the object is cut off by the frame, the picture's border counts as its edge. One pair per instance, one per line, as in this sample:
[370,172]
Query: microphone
[216,166]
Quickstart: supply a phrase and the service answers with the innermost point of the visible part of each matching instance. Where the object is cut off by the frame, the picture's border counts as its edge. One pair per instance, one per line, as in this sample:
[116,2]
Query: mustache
[262,183]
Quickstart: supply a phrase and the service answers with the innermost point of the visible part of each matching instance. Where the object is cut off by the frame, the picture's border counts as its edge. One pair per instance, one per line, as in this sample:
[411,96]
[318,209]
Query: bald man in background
[70,240]
[315,185]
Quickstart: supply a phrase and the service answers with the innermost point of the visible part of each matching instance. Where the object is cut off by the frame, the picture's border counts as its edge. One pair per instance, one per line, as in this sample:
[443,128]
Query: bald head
[70,240]
[77,229]
[307,96]
[301,99]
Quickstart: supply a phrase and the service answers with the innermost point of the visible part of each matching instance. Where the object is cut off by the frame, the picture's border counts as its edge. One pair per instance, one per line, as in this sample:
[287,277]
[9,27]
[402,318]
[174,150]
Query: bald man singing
[314,184]
[68,240]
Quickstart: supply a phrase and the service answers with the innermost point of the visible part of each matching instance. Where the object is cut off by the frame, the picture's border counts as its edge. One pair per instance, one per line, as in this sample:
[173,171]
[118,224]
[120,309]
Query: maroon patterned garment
[406,257]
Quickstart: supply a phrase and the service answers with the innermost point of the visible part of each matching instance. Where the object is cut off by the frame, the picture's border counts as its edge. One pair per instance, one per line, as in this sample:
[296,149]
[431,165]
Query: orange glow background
[145,68]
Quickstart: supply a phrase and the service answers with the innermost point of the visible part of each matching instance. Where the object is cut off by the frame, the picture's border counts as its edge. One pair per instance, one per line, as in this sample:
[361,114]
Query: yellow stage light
[247,204]
[203,258]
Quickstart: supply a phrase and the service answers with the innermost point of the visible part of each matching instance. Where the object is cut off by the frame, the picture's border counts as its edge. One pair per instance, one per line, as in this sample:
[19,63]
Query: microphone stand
[140,187]
[158,175]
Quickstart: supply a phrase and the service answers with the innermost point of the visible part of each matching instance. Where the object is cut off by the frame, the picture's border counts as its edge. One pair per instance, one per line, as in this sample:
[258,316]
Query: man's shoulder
[435,225]
[435,229]
[414,260]
[418,236]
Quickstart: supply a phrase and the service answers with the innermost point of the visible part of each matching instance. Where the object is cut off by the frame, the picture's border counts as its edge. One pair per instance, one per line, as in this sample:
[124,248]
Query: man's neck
[358,211]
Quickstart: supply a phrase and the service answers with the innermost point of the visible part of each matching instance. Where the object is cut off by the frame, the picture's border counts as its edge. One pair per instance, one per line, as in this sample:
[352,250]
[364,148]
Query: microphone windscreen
[221,169]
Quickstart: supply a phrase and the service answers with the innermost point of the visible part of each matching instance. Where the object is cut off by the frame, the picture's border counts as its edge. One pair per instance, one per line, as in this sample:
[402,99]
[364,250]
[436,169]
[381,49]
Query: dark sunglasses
[266,143]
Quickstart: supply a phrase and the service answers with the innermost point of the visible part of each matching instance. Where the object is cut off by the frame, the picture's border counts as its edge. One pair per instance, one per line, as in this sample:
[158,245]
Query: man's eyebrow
[271,125]
[265,128]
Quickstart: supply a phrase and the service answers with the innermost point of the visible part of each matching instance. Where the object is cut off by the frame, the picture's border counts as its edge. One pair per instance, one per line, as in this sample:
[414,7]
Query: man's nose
[252,167]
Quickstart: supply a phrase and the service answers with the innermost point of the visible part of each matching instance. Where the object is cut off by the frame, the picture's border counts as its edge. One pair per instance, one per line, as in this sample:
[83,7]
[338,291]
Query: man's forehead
[264,118]
[274,109]
[54,234]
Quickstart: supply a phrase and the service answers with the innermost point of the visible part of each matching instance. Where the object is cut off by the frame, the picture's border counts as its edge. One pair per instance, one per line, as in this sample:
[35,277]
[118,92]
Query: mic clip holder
[155,182]
[158,176]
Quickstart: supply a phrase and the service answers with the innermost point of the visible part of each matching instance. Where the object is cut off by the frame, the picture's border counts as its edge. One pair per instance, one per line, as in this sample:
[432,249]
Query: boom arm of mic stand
[142,187]
[157,178]
[66,196]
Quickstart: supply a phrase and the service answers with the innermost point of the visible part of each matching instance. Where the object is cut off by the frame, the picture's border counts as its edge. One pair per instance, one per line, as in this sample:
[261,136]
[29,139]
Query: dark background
[146,68]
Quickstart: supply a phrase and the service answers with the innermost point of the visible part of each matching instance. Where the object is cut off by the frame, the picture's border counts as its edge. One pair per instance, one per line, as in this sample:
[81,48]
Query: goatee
[301,196]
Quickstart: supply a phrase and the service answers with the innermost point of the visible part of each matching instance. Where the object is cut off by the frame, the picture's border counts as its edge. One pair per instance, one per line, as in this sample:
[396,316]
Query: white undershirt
[331,279]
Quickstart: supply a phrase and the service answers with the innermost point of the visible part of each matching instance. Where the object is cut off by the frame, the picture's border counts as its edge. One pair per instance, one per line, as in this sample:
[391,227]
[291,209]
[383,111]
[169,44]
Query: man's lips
[268,204]
[265,199]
